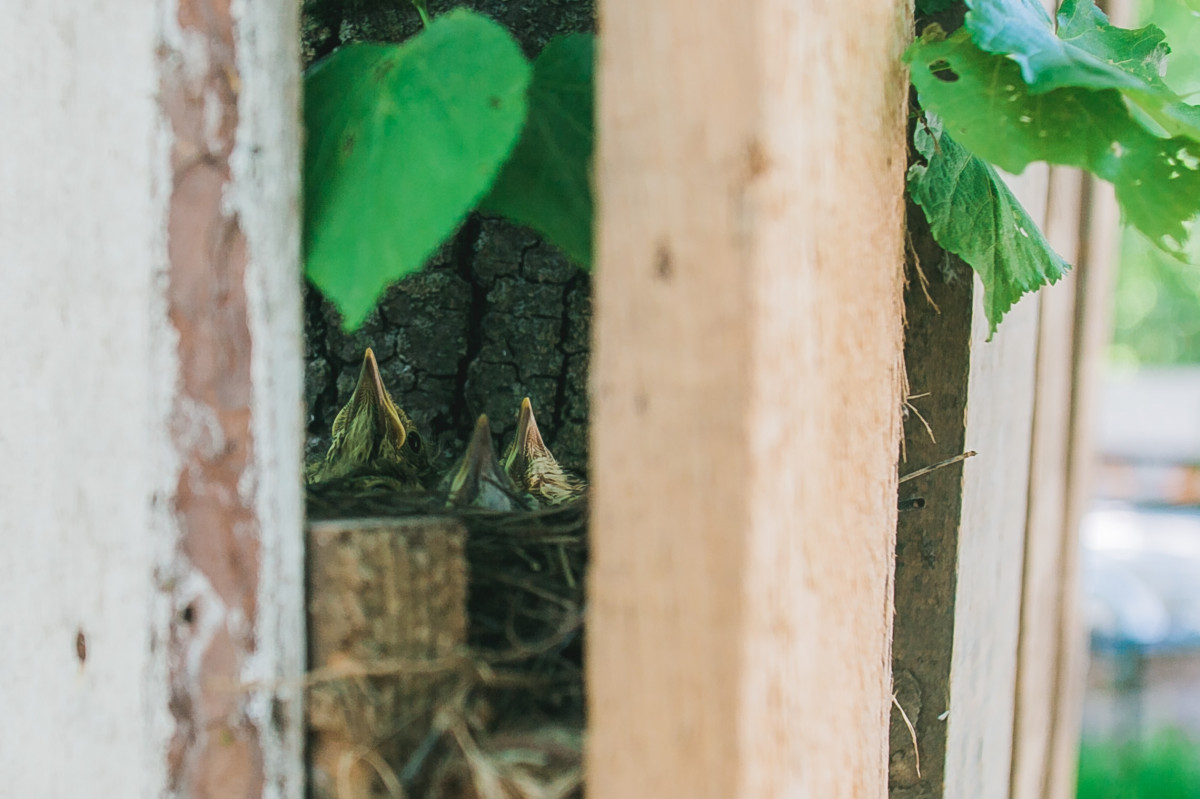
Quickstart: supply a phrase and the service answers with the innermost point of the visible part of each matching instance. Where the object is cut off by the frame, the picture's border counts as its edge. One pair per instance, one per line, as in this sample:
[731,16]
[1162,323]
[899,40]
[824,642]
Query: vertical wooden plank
[232,580]
[937,357]
[1093,328]
[80,229]
[265,167]
[1096,279]
[152,518]
[1047,536]
[745,397]
[999,427]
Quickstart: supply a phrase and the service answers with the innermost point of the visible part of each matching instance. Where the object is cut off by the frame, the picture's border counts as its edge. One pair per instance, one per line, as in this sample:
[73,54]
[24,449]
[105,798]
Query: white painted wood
[266,164]
[81,215]
[89,365]
[991,542]
[746,399]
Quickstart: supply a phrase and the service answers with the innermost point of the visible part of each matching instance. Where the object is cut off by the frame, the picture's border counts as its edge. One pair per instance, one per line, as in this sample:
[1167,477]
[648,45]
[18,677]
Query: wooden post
[388,606]
[745,397]
[152,420]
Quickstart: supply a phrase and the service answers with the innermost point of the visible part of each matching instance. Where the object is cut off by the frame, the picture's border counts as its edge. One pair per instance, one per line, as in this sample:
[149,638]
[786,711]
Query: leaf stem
[423,10]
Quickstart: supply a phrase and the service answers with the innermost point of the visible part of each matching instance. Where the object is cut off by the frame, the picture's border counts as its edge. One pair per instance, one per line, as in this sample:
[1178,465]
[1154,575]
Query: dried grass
[513,725]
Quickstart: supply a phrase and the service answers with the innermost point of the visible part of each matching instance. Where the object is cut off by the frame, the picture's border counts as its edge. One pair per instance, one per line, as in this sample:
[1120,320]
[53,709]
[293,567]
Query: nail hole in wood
[663,268]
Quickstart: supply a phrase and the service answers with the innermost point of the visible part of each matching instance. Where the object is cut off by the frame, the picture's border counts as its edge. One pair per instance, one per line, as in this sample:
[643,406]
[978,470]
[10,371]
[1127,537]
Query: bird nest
[466,618]
[506,719]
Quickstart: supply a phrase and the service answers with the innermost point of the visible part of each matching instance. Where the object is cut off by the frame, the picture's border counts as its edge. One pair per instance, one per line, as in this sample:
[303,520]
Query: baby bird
[477,481]
[372,438]
[533,468]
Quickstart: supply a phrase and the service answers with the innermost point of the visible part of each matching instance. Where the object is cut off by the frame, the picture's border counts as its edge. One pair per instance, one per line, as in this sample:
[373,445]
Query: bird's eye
[414,441]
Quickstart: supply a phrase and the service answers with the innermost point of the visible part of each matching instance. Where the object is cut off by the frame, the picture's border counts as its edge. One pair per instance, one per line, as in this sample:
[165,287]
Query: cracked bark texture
[496,315]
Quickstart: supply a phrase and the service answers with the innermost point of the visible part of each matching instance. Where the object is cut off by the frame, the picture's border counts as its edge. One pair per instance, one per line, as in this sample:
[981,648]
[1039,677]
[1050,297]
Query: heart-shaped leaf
[403,141]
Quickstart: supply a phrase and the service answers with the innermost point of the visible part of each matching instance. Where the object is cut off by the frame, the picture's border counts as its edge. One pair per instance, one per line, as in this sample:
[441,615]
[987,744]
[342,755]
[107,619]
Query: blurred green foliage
[1156,316]
[1166,766]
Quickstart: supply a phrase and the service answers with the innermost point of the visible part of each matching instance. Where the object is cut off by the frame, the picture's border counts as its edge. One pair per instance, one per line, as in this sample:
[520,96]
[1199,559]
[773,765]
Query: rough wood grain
[381,591]
[745,398]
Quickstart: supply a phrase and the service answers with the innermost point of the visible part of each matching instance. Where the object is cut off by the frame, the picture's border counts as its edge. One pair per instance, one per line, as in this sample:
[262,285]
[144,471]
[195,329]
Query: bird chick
[372,436]
[534,469]
[478,481]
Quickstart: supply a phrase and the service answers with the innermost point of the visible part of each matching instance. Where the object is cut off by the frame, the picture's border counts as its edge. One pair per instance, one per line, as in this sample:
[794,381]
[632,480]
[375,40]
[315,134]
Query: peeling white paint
[266,167]
[90,404]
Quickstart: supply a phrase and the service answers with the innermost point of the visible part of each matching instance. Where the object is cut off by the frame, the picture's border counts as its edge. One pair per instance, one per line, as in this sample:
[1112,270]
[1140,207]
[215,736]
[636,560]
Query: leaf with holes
[1082,50]
[973,214]
[547,182]
[987,107]
[403,141]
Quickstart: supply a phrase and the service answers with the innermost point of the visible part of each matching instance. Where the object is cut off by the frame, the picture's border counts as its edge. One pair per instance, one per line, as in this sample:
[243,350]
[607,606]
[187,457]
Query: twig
[912,732]
[922,280]
[913,408]
[938,465]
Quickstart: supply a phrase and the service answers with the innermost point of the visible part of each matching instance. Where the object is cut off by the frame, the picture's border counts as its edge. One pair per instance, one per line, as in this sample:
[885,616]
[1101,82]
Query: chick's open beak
[371,397]
[530,464]
[527,445]
[478,480]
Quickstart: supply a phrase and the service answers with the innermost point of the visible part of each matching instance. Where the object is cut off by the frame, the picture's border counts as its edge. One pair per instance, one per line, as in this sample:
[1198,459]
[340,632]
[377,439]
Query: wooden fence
[747,394]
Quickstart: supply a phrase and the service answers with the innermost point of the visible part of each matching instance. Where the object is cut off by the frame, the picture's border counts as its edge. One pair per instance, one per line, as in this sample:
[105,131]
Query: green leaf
[547,182]
[1086,52]
[987,107]
[403,140]
[973,214]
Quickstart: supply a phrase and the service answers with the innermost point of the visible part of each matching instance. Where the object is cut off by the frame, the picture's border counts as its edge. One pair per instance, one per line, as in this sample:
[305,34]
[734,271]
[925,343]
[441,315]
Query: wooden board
[1000,396]
[1092,330]
[1048,540]
[959,578]
[232,576]
[387,608]
[78,237]
[937,355]
[745,382]
[149,228]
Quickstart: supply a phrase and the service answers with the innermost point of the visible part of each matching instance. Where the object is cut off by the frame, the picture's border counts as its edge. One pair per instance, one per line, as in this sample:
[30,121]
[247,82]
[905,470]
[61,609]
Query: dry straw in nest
[504,717]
